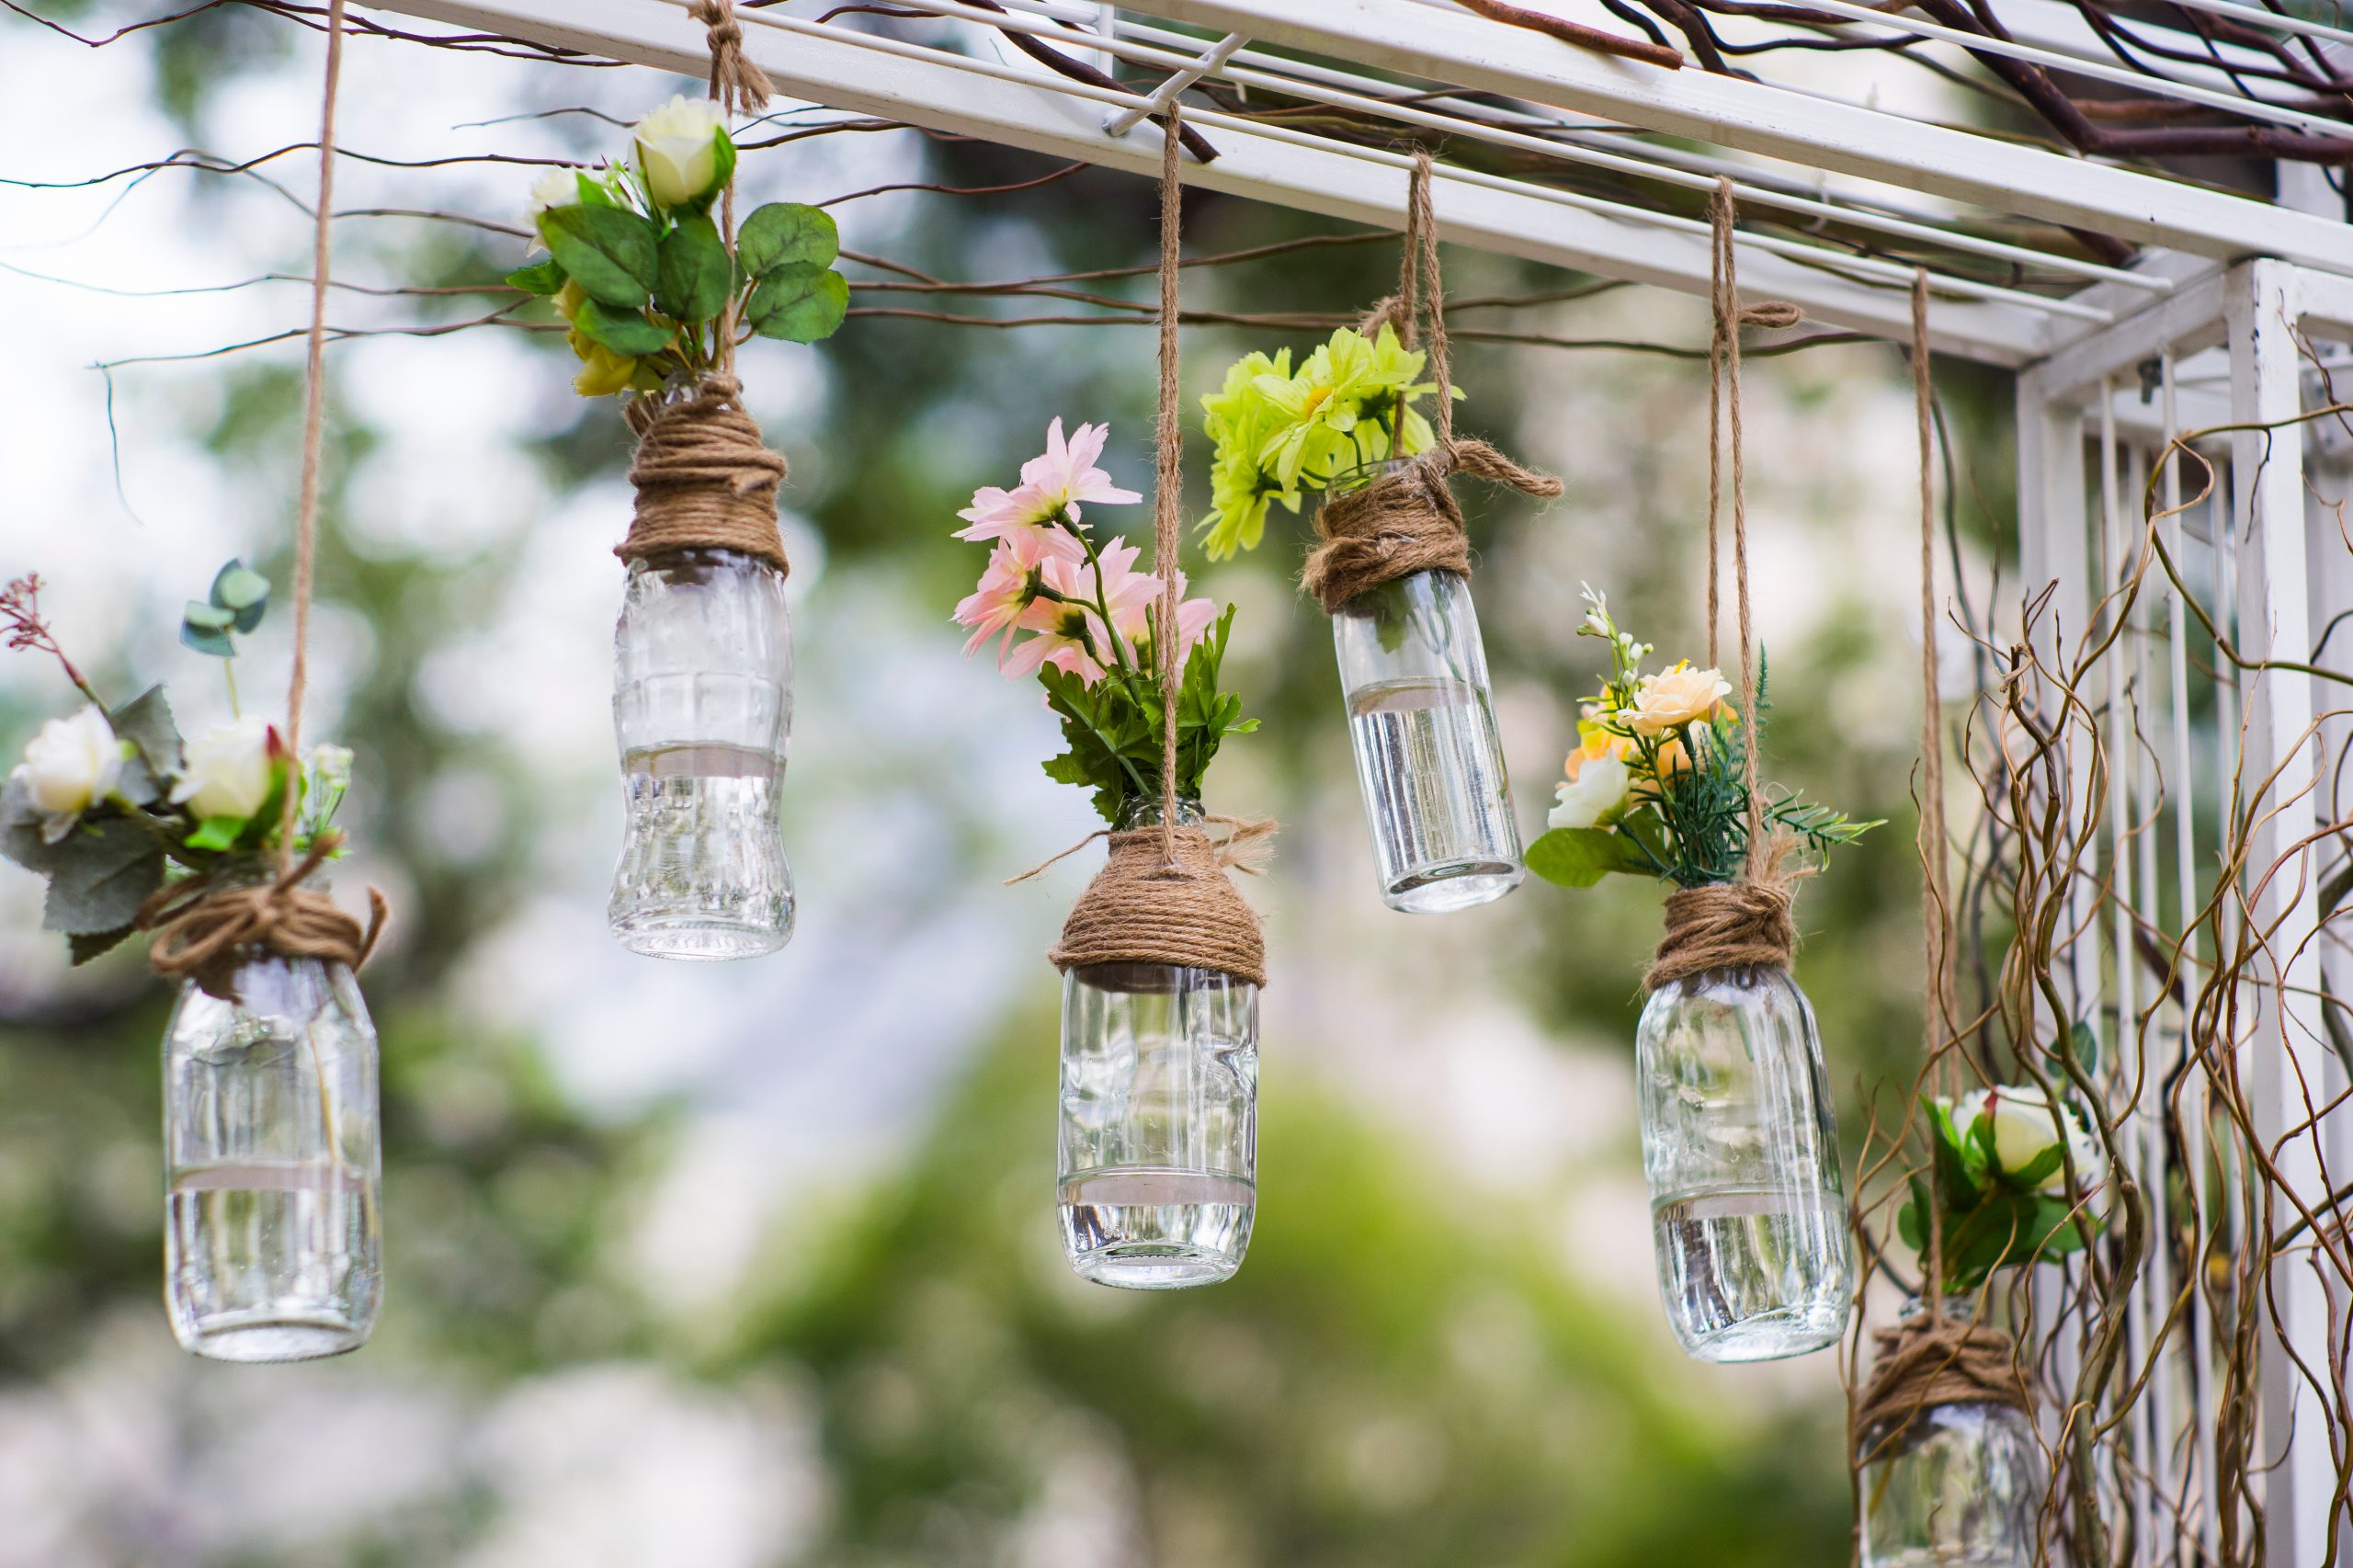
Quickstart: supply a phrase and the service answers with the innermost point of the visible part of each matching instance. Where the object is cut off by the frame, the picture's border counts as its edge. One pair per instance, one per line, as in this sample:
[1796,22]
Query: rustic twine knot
[705,478]
[1932,1361]
[735,81]
[206,933]
[1163,897]
[1405,521]
[1771,313]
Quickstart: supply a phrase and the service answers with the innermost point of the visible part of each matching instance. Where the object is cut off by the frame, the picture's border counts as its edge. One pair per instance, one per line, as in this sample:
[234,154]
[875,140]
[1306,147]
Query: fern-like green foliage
[1113,728]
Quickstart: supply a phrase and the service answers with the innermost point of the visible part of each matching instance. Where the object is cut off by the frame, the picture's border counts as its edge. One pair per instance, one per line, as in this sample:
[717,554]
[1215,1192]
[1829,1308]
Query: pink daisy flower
[1007,588]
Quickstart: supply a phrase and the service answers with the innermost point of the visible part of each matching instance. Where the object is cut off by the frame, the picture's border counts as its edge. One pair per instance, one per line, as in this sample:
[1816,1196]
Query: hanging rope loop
[1407,520]
[206,932]
[1934,1360]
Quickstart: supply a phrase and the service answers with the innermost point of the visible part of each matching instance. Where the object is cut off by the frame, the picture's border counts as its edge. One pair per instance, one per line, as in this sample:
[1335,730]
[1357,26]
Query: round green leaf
[798,303]
[611,254]
[207,617]
[785,232]
[623,331]
[1577,857]
[693,273]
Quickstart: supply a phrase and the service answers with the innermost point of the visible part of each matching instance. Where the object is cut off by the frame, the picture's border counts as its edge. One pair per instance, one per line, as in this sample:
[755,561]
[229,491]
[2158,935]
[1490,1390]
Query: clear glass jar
[1159,1141]
[1748,1207]
[1413,675]
[1957,1486]
[703,709]
[272,1248]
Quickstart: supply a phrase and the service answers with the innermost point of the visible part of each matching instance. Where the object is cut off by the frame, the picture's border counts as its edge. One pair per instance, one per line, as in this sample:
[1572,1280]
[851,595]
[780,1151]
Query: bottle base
[1769,1336]
[256,1337]
[700,938]
[1443,889]
[1147,1267]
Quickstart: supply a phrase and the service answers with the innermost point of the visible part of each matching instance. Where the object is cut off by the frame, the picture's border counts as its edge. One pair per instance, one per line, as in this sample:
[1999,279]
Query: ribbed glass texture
[1748,1209]
[702,709]
[1159,1126]
[1429,761]
[1957,1486]
[272,1169]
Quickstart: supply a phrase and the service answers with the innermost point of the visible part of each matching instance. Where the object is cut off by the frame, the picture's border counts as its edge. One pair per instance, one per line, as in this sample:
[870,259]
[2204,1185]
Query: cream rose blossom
[677,150]
[2026,1128]
[1673,699]
[229,769]
[71,764]
[1598,790]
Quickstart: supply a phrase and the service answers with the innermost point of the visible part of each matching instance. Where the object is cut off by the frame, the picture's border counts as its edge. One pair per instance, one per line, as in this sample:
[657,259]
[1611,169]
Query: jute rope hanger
[706,478]
[1408,521]
[1747,922]
[1163,896]
[204,931]
[1933,1359]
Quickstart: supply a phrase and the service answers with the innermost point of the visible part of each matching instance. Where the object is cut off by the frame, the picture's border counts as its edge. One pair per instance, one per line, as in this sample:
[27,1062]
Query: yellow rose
[1673,699]
[604,373]
[568,301]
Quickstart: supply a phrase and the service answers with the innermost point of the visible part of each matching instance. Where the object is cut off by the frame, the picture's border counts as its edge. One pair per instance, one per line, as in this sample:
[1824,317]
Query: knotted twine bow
[1745,923]
[1407,521]
[206,930]
[1163,895]
[705,477]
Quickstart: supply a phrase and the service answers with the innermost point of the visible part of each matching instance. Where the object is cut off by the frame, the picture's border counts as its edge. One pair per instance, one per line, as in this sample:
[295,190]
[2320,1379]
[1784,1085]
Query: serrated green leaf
[547,277]
[623,331]
[86,945]
[108,870]
[146,723]
[692,271]
[798,303]
[610,251]
[1578,857]
[785,232]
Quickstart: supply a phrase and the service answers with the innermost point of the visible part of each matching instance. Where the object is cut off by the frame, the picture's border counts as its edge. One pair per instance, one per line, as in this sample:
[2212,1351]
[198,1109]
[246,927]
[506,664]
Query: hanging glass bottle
[1949,1484]
[1748,1207]
[1413,675]
[1159,1144]
[272,1248]
[702,709]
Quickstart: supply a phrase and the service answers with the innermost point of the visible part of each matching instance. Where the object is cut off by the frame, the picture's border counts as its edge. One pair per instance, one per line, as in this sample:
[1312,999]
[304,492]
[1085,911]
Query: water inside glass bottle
[1431,768]
[269,1257]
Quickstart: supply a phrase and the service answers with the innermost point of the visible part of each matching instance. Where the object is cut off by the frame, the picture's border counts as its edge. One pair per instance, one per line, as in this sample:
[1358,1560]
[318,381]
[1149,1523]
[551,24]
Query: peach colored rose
[1673,699]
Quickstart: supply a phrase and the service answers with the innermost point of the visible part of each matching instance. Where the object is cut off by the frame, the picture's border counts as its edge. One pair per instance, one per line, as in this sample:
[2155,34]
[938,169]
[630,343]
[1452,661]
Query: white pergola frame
[2224,286]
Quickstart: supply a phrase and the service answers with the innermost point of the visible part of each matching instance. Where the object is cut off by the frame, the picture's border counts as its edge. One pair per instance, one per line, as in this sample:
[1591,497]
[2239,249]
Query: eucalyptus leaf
[785,232]
[208,616]
[623,331]
[204,639]
[610,251]
[243,591]
[798,303]
[693,273]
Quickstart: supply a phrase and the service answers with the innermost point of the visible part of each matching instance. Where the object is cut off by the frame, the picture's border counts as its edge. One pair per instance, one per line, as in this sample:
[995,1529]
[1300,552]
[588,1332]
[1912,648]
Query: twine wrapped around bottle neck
[1934,1360]
[1740,925]
[205,931]
[1405,521]
[705,478]
[1163,897]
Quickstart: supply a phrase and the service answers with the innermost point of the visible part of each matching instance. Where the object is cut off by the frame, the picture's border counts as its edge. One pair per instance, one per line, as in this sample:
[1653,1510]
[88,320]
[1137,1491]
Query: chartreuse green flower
[1281,432]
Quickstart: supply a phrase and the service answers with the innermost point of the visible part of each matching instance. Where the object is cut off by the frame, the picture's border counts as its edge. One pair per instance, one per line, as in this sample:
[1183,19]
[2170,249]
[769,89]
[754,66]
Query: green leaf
[692,271]
[208,616]
[207,640]
[243,591]
[545,278]
[1911,1221]
[217,832]
[2085,1045]
[102,872]
[1578,857]
[146,723]
[2037,1169]
[610,253]
[623,331]
[785,232]
[798,303]
[87,945]
[592,191]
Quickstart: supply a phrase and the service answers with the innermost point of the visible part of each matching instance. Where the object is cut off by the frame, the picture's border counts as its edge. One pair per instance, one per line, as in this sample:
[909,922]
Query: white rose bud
[677,150]
[557,187]
[2026,1128]
[229,769]
[1599,789]
[71,765]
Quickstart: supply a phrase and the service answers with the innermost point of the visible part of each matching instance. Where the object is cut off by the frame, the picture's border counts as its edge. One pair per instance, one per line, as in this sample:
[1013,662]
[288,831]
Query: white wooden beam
[1465,50]
[889,78]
